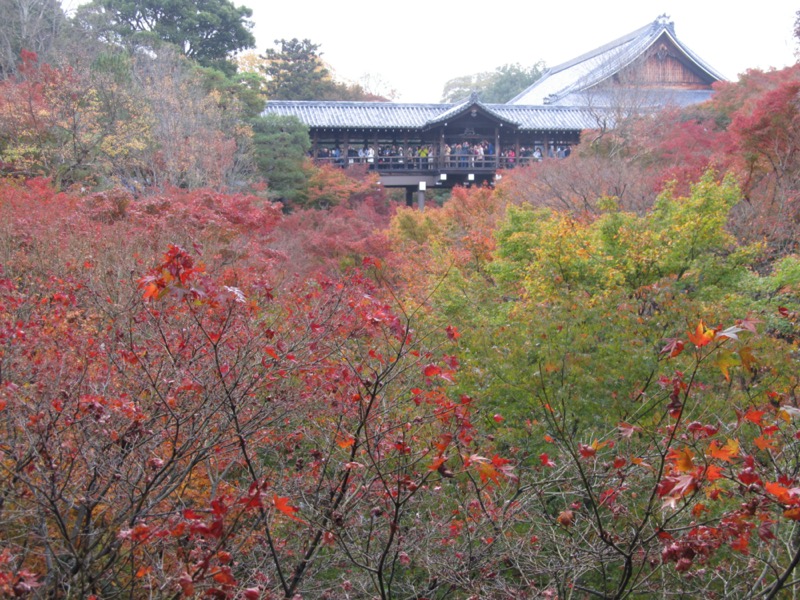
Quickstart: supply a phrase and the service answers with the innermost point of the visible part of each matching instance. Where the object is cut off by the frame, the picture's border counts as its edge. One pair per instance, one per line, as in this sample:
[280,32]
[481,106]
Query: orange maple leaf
[438,462]
[444,442]
[224,576]
[764,443]
[345,441]
[741,544]
[151,292]
[144,571]
[702,335]
[682,459]
[713,472]
[754,416]
[779,491]
[282,504]
[725,453]
[487,471]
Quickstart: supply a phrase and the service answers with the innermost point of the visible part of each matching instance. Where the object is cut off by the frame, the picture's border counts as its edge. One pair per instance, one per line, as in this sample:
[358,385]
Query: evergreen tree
[280,145]
[296,72]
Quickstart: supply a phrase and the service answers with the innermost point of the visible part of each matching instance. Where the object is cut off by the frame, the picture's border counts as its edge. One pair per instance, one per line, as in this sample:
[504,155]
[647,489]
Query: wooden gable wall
[664,66]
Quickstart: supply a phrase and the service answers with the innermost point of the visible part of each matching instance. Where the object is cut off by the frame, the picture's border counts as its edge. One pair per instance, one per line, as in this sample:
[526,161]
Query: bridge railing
[453,163]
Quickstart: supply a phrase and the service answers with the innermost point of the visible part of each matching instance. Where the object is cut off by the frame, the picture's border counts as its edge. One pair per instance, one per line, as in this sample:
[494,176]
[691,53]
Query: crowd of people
[461,155]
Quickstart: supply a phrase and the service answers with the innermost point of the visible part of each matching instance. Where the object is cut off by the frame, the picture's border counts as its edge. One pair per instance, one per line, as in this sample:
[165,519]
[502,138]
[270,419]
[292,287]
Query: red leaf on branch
[432,371]
[224,576]
[187,584]
[444,442]
[742,543]
[765,531]
[627,430]
[748,476]
[673,347]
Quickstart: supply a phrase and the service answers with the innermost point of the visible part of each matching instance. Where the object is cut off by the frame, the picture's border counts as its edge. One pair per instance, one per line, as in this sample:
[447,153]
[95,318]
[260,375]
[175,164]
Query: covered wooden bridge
[419,146]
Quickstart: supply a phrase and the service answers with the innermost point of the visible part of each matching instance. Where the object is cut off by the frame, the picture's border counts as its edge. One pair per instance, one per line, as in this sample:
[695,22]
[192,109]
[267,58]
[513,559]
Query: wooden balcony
[461,164]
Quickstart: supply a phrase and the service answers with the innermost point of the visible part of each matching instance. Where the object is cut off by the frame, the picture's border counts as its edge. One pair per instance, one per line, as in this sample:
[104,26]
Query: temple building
[418,146]
[648,68]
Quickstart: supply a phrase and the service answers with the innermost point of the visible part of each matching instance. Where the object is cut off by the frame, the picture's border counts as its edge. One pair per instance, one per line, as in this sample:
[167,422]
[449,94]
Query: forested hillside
[226,372]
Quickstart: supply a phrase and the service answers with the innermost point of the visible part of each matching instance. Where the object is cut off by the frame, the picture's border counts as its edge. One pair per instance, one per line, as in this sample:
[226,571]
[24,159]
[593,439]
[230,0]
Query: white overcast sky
[415,46]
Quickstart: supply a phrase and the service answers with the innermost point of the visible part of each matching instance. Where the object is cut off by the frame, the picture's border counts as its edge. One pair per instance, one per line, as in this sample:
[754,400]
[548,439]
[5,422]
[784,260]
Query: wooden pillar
[496,157]
[440,155]
[346,149]
[314,144]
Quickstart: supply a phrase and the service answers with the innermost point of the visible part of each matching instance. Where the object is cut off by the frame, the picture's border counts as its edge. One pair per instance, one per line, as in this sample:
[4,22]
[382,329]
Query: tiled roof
[550,118]
[388,115]
[637,100]
[354,115]
[598,65]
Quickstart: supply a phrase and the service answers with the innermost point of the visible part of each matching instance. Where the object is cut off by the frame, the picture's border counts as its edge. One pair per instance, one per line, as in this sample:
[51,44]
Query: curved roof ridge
[625,39]
[468,104]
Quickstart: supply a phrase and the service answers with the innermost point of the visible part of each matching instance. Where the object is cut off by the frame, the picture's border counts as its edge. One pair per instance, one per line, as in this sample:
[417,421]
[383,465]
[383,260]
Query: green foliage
[238,92]
[580,306]
[280,144]
[550,252]
[497,86]
[208,31]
